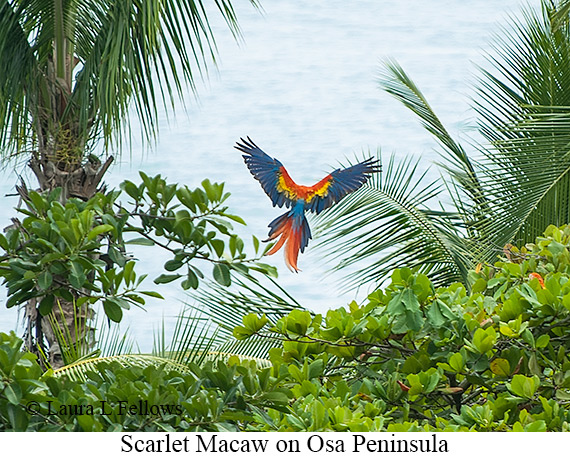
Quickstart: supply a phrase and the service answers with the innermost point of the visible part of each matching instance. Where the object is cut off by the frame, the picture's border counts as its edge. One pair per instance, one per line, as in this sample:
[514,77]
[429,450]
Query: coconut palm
[513,184]
[70,71]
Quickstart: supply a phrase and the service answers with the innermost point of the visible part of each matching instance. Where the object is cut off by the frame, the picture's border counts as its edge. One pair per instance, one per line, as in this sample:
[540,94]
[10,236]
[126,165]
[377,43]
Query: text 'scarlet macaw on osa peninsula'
[282,190]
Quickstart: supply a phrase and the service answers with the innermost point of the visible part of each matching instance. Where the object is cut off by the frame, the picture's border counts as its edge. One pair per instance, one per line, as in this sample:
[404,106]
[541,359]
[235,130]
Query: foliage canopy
[412,357]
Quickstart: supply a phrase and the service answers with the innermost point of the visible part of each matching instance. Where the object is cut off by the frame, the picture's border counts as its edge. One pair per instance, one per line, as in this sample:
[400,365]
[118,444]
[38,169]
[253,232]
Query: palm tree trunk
[81,181]
[67,324]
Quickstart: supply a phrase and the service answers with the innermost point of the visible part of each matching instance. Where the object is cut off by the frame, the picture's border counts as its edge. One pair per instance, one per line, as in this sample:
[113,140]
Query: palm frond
[140,50]
[456,161]
[22,85]
[248,294]
[253,348]
[78,371]
[80,65]
[387,224]
[524,106]
[112,340]
[196,339]
[519,187]
[193,338]
[89,338]
[203,333]
[224,308]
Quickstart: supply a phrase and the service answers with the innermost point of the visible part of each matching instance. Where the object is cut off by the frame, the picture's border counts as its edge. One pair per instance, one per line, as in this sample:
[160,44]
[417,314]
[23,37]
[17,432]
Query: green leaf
[276,397]
[484,340]
[479,286]
[439,314]
[64,293]
[210,190]
[45,280]
[501,367]
[165,279]
[255,243]
[235,218]
[536,426]
[456,362]
[533,366]
[185,197]
[191,281]
[131,189]
[141,242]
[38,202]
[241,333]
[117,256]
[265,268]
[563,395]
[13,393]
[529,294]
[297,322]
[542,341]
[254,323]
[523,386]
[100,229]
[416,387]
[296,373]
[113,310]
[46,305]
[316,368]
[495,281]
[173,265]
[77,276]
[18,417]
[218,246]
[152,293]
[222,274]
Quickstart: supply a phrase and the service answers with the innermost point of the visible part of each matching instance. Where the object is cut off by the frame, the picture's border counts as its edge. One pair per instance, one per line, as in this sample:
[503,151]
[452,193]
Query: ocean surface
[302,82]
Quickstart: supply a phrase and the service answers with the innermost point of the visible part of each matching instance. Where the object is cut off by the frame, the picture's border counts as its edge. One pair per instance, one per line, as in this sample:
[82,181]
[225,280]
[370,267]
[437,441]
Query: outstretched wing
[269,172]
[338,184]
[282,190]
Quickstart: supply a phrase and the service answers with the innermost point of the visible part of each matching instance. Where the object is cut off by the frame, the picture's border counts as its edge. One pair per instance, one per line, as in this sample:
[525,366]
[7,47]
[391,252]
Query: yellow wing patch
[320,191]
[294,191]
[286,185]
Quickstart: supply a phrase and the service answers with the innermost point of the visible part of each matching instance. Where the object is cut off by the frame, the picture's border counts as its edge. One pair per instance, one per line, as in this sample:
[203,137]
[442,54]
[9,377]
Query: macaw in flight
[282,190]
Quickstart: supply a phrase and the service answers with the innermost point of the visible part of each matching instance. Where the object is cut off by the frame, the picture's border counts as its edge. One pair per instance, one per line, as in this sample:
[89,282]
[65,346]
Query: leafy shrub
[491,357]
[225,397]
[62,259]
[77,251]
[417,358]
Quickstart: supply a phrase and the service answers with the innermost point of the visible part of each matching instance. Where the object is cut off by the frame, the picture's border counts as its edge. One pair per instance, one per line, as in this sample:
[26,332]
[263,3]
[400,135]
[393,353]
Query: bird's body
[292,226]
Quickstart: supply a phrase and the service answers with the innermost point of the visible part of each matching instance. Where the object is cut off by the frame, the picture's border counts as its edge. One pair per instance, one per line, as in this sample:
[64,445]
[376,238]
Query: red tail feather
[284,231]
[292,238]
[292,249]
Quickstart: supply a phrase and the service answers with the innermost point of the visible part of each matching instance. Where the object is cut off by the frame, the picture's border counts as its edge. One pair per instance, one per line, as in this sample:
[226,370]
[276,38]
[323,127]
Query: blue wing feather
[265,169]
[342,182]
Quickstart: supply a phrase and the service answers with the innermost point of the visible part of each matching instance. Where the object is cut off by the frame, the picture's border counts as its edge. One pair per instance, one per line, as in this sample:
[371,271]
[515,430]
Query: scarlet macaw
[292,226]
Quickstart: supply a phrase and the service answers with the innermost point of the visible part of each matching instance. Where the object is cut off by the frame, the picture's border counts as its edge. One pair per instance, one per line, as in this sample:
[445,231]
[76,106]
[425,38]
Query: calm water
[303,84]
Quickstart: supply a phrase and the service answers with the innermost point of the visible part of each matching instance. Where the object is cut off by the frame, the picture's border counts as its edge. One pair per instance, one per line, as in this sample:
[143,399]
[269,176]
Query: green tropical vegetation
[69,73]
[483,199]
[467,323]
[412,357]
[77,253]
